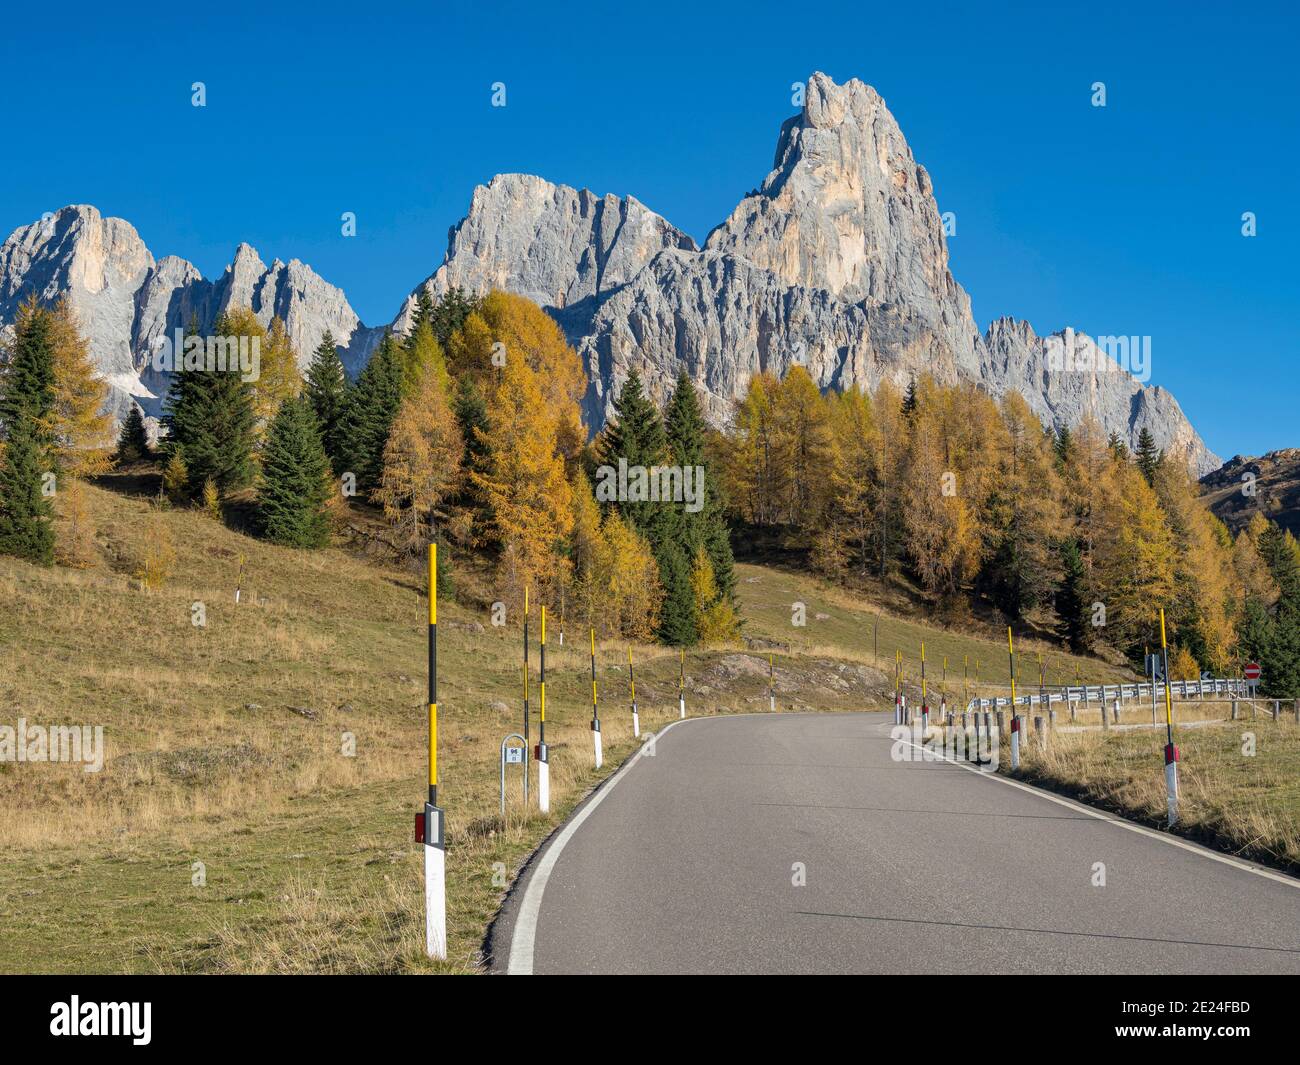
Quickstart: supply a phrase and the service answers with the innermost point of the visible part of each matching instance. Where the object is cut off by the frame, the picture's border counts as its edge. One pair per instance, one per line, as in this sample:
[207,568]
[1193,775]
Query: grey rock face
[125,301]
[1067,376]
[837,261]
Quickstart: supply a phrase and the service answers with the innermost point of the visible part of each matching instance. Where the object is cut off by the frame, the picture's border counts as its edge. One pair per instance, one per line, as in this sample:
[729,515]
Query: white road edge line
[1115,819]
[523,935]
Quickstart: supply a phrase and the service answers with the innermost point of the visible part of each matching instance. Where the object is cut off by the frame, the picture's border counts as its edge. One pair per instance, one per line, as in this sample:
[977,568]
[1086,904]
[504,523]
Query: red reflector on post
[1171,753]
[419,828]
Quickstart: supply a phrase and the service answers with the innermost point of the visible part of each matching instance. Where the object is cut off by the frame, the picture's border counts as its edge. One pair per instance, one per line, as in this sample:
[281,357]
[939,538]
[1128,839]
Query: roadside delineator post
[1171,752]
[526,714]
[636,718]
[681,687]
[435,853]
[542,754]
[1015,717]
[898,705]
[595,712]
[771,684]
[925,706]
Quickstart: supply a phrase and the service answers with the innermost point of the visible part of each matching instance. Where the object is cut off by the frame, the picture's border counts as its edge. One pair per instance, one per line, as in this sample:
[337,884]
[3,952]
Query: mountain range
[838,261]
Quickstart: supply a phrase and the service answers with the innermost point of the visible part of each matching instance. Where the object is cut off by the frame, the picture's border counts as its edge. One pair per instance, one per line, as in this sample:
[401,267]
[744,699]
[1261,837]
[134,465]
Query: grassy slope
[308,853]
[309,859]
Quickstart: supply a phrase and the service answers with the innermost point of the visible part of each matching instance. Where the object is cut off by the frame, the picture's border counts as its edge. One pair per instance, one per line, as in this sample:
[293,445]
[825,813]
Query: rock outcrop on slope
[837,261]
[1244,486]
[125,301]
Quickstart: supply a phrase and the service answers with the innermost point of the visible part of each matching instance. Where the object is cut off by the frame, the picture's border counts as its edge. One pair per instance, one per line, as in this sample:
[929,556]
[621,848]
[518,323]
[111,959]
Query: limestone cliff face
[837,261]
[125,301]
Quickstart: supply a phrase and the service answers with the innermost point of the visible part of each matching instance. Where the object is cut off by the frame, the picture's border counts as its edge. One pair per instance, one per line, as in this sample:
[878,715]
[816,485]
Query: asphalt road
[687,862]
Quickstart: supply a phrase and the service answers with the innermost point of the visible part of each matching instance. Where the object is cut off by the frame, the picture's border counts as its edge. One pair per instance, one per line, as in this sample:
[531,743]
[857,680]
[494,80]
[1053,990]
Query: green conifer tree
[295,486]
[26,515]
[1148,456]
[326,390]
[133,440]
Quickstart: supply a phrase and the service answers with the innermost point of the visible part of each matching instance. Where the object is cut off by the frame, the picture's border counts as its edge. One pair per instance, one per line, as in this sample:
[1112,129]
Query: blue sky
[1121,220]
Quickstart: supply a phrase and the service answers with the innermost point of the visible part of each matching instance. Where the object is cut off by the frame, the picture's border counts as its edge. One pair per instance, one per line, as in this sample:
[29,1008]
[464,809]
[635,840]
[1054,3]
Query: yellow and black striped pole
[631,676]
[1171,752]
[1015,717]
[925,705]
[595,712]
[543,758]
[527,715]
[435,856]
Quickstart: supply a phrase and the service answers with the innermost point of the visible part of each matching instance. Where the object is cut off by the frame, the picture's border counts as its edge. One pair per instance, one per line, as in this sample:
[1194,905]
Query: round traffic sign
[1252,671]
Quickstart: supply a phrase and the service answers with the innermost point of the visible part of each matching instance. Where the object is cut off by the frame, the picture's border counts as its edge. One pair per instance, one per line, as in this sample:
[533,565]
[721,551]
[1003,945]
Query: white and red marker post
[1171,751]
[925,705]
[681,687]
[1015,717]
[631,676]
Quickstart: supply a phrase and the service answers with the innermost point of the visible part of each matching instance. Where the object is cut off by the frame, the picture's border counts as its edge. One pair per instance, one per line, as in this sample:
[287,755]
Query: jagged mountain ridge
[837,261]
[125,300]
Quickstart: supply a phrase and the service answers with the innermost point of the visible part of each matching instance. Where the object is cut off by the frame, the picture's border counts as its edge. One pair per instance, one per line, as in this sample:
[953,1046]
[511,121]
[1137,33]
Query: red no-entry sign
[1252,671]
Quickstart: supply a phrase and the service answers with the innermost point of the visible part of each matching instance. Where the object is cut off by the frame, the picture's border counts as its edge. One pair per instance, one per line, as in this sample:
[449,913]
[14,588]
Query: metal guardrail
[1107,693]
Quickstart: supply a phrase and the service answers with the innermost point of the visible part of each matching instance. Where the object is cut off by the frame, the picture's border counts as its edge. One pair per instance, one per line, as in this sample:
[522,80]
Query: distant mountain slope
[1275,478]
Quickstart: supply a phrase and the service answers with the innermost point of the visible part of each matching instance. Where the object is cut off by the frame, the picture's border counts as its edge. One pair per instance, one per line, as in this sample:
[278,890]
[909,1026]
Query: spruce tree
[211,419]
[326,390]
[368,414]
[26,516]
[637,436]
[450,313]
[1118,449]
[1148,455]
[133,440]
[1070,605]
[27,387]
[706,528]
[295,470]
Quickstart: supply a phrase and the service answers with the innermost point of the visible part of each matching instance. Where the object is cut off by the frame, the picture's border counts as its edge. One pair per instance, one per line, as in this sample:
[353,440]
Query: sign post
[435,853]
[595,712]
[543,756]
[1015,717]
[513,754]
[1171,752]
[631,676]
[526,714]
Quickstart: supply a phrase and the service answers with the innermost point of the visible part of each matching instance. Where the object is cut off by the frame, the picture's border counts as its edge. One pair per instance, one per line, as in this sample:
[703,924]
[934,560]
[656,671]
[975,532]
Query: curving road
[686,862]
